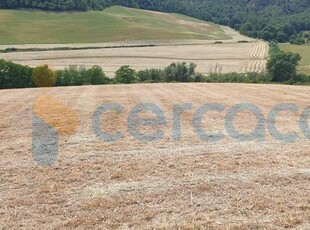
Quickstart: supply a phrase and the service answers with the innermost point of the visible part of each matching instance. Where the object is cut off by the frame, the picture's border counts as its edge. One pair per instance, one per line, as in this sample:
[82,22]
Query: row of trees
[14,75]
[281,20]
[56,5]
[282,67]
[176,72]
[18,76]
[81,76]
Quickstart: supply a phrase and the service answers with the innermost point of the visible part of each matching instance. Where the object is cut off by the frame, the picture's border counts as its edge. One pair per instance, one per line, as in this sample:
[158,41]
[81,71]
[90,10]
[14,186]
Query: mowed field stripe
[230,57]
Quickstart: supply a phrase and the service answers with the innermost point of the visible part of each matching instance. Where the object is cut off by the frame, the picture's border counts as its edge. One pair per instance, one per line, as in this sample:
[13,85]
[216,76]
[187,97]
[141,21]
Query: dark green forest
[281,20]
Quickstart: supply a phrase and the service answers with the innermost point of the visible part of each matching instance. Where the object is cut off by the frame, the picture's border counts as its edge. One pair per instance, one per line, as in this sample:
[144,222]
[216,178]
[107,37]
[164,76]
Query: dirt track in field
[164,184]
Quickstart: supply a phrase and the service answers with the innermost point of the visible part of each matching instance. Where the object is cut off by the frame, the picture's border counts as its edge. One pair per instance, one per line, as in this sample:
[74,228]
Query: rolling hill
[280,20]
[113,24]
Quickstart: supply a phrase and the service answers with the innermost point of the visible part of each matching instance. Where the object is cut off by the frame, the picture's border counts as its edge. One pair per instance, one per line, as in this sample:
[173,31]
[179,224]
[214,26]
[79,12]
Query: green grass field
[113,24]
[304,51]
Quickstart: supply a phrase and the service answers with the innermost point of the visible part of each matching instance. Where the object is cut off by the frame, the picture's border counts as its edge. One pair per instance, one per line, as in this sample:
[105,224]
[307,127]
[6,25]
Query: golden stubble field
[228,57]
[166,184]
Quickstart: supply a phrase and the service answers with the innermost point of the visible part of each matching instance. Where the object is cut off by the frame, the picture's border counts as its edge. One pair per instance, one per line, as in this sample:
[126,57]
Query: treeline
[18,76]
[282,67]
[281,20]
[65,5]
[15,76]
[56,5]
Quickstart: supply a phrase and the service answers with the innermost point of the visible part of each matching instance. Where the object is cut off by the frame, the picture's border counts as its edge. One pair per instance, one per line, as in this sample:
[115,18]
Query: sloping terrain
[166,184]
[279,20]
[141,39]
[113,24]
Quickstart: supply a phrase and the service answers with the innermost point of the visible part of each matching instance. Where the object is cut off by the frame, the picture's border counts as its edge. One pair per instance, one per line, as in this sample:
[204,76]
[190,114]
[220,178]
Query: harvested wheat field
[165,184]
[228,57]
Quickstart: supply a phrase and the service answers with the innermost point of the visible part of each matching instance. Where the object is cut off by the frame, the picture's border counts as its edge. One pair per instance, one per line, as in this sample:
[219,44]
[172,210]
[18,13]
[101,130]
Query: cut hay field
[113,24]
[166,184]
[121,36]
[227,57]
[304,51]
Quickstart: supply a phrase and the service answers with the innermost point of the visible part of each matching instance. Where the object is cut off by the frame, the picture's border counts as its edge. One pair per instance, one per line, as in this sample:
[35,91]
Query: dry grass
[229,57]
[188,184]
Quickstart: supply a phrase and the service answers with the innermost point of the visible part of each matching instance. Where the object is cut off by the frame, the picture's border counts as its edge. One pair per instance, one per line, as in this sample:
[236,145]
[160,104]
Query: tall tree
[282,66]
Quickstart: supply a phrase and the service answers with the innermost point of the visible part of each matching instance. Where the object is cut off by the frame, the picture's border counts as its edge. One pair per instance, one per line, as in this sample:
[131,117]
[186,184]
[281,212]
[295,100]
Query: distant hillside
[113,24]
[281,20]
